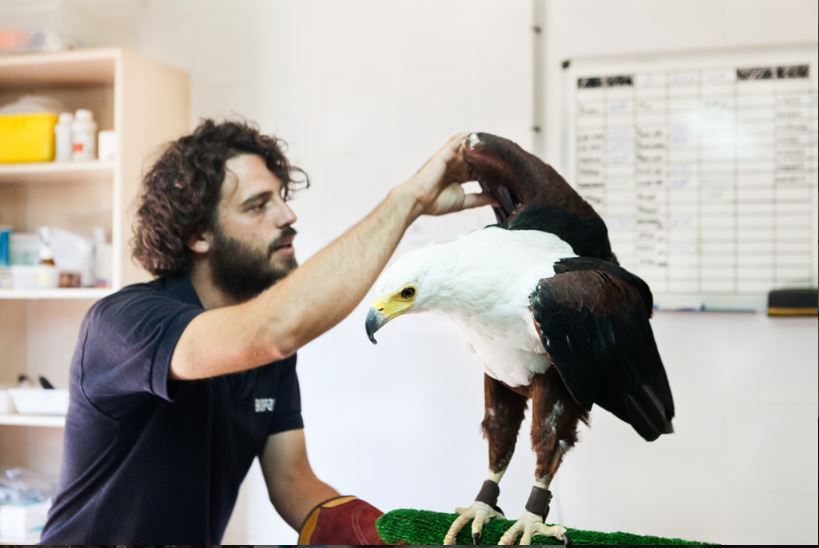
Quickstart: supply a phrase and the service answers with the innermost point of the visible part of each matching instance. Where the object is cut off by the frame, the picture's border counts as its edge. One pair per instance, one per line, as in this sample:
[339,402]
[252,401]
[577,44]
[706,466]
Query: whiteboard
[704,167]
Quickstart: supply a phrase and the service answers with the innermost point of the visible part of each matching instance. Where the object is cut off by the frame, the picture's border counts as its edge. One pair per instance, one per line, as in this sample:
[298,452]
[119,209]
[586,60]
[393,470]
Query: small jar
[63,141]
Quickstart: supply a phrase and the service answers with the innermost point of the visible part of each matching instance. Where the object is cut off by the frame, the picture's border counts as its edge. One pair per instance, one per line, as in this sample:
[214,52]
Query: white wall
[741,467]
[364,91]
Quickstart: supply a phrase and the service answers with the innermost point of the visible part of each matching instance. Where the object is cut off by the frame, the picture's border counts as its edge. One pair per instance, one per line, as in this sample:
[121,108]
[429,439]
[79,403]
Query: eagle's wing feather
[531,195]
[592,317]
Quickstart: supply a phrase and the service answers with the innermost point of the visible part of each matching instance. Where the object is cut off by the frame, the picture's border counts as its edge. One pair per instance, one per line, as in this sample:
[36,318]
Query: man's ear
[199,241]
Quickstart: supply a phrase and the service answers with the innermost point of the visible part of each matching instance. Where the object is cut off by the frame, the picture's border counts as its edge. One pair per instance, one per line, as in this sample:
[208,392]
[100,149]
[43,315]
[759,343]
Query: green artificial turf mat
[425,527]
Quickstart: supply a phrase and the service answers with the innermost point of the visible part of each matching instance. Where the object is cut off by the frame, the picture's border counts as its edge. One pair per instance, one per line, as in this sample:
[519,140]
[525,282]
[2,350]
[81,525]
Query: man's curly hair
[182,189]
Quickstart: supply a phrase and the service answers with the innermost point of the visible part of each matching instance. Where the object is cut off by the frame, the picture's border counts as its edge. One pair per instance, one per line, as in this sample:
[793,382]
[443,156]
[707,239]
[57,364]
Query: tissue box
[23,522]
[39,401]
[34,276]
[27,137]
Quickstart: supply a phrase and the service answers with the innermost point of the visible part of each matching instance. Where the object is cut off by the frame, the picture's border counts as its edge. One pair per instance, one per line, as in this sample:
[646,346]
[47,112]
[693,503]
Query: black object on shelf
[44,383]
[793,302]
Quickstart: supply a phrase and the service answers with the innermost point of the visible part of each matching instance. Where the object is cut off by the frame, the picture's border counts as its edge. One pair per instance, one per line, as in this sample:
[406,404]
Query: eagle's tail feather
[647,414]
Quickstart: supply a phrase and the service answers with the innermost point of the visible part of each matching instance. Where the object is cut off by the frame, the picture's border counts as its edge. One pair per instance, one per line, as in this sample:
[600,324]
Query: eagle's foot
[479,513]
[530,525]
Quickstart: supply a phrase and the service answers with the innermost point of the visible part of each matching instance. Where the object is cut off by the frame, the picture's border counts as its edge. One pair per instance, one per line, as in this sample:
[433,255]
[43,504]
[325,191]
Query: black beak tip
[373,323]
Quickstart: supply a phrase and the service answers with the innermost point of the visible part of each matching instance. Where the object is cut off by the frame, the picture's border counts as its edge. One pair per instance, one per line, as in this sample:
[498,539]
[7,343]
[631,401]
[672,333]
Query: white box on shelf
[107,145]
[34,276]
[22,522]
[40,401]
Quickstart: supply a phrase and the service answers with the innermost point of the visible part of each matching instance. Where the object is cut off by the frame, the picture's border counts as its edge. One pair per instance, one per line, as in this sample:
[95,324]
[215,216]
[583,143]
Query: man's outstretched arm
[325,289]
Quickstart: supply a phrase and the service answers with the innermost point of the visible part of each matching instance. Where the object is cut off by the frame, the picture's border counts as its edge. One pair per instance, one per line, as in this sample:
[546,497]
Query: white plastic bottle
[63,142]
[84,136]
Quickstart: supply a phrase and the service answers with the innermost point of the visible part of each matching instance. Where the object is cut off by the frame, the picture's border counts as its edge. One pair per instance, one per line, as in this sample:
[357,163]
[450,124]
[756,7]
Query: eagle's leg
[555,416]
[501,422]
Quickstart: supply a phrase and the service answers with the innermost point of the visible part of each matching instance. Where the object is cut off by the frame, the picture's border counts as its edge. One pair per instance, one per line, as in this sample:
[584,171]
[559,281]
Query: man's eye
[260,206]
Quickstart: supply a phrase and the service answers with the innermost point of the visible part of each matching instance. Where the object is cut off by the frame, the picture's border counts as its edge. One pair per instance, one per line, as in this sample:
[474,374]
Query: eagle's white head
[416,281]
[490,269]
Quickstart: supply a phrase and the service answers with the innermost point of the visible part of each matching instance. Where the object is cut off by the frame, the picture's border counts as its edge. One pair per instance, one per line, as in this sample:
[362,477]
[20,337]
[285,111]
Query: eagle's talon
[479,513]
[530,525]
[566,539]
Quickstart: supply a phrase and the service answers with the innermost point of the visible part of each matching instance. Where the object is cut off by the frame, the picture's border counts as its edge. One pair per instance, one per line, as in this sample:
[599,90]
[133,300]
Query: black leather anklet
[489,495]
[538,502]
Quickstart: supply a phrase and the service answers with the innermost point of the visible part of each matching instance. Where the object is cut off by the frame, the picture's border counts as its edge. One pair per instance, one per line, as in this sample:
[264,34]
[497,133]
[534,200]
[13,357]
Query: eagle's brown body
[504,410]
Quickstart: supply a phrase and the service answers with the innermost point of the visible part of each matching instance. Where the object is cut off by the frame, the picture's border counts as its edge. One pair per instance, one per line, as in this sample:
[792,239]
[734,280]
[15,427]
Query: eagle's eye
[408,292]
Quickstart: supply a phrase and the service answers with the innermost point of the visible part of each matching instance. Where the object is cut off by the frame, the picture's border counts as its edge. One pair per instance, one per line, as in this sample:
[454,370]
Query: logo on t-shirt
[265,404]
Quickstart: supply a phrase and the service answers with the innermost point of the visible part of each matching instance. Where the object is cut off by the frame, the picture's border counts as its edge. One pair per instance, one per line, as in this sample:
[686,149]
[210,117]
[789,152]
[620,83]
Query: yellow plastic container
[27,137]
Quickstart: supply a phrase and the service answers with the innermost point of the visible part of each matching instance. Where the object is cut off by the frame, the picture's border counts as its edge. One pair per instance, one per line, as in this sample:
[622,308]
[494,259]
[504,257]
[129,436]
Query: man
[178,384]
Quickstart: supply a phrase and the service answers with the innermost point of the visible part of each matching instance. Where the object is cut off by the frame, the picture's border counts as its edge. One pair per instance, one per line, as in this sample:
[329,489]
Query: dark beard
[242,272]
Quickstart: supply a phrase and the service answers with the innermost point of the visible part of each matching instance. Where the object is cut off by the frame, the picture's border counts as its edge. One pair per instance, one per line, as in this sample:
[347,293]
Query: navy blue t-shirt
[149,460]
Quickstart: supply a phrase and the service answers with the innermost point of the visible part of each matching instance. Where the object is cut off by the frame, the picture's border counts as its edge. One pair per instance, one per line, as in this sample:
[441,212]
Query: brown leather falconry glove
[341,520]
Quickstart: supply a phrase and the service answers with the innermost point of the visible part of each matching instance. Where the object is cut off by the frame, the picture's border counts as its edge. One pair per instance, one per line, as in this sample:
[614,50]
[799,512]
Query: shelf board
[48,421]
[56,172]
[33,539]
[78,67]
[56,294]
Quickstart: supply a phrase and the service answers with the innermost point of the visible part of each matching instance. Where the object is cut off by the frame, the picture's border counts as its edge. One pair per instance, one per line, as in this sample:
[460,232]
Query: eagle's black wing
[592,317]
[533,196]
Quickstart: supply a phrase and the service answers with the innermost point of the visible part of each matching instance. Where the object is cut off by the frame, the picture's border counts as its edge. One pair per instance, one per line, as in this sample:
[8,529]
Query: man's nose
[285,216]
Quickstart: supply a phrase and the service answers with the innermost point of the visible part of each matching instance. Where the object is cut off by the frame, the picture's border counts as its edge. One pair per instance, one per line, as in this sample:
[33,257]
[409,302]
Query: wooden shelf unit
[48,421]
[56,172]
[23,541]
[145,103]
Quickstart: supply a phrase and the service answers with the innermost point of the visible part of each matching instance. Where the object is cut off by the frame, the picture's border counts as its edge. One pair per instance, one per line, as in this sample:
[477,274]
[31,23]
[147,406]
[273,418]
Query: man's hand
[308,504]
[341,520]
[436,187]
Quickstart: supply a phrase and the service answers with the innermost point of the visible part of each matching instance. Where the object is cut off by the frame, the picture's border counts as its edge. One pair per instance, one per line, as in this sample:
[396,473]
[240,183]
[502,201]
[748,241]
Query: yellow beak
[382,311]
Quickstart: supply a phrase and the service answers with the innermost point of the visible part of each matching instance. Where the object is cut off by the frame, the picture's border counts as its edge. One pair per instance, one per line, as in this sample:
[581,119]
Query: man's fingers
[452,147]
[458,138]
[447,153]
[478,199]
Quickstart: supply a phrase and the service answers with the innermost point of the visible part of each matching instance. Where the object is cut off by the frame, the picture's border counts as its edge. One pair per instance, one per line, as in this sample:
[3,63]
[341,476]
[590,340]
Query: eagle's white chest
[512,359]
[501,268]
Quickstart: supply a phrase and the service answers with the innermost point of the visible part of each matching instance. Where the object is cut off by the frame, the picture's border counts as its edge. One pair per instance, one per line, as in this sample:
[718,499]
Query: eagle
[550,316]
